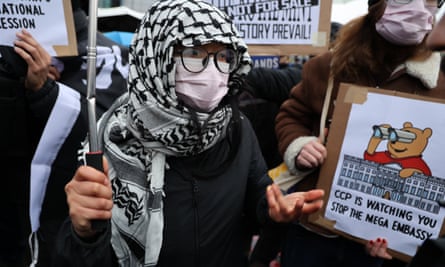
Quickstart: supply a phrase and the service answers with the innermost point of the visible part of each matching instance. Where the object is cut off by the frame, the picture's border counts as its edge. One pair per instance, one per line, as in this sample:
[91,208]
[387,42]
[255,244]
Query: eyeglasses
[196,59]
[404,2]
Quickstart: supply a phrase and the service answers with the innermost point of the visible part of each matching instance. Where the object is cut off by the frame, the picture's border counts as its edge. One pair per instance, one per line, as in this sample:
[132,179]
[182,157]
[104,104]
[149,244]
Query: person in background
[65,100]
[267,89]
[182,169]
[432,252]
[110,83]
[384,48]
[24,72]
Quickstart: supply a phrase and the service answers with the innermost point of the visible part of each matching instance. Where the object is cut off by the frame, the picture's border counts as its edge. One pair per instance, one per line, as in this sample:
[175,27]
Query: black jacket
[54,207]
[273,85]
[266,90]
[26,115]
[21,129]
[207,219]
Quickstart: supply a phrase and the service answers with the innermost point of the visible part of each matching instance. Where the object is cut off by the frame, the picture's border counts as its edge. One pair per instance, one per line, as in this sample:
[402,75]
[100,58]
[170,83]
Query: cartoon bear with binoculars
[405,147]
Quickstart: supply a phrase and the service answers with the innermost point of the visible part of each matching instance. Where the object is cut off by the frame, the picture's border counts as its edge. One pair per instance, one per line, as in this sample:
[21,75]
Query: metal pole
[94,157]
[91,76]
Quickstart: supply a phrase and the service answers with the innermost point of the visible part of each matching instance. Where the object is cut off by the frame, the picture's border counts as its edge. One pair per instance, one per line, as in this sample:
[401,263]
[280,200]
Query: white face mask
[202,91]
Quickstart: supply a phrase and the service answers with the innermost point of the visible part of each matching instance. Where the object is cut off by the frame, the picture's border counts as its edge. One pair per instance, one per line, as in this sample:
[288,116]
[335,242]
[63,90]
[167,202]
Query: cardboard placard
[384,172]
[281,27]
[50,22]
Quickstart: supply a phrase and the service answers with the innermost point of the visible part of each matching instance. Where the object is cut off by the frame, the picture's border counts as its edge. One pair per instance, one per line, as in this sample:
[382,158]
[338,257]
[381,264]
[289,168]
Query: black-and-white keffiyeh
[149,123]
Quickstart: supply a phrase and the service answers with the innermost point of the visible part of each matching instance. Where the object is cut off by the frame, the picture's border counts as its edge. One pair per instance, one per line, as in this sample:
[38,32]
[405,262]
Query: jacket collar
[422,70]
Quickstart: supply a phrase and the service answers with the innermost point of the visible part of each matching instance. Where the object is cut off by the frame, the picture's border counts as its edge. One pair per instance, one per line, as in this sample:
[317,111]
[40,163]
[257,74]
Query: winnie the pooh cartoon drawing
[405,147]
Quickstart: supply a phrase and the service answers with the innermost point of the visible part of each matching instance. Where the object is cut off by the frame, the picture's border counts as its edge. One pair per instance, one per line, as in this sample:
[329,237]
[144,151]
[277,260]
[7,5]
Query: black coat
[19,136]
[15,162]
[54,207]
[267,89]
[206,219]
[24,116]
[273,85]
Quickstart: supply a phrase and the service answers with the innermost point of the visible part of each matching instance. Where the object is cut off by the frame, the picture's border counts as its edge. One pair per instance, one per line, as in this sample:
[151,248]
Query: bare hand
[378,248]
[89,197]
[311,155]
[53,73]
[286,208]
[36,57]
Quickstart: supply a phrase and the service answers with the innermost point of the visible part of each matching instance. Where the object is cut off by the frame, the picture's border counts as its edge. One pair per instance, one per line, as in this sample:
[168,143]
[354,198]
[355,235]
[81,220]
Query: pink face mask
[405,22]
[204,90]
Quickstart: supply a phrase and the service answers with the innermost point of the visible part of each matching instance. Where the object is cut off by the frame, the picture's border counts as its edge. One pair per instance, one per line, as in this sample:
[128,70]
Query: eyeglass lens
[402,1]
[196,59]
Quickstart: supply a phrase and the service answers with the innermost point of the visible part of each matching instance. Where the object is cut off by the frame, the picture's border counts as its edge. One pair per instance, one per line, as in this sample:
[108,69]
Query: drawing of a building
[419,191]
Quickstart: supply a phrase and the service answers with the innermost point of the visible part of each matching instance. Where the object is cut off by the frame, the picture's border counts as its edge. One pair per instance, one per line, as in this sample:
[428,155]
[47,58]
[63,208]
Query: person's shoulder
[318,65]
[319,60]
[246,124]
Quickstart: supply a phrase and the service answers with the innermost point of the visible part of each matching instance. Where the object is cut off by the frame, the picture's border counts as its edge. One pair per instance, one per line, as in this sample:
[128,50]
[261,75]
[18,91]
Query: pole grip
[94,159]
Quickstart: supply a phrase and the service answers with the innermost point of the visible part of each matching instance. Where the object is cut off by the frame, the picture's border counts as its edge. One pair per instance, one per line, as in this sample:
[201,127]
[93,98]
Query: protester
[23,70]
[185,172]
[384,48]
[432,251]
[110,83]
[66,101]
[270,88]
[265,90]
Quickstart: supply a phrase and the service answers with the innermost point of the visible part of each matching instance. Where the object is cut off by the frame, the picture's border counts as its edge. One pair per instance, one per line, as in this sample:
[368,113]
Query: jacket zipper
[195,191]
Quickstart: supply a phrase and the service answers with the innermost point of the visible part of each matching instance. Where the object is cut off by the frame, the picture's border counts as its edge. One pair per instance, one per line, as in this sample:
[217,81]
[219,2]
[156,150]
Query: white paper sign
[44,19]
[277,22]
[369,196]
